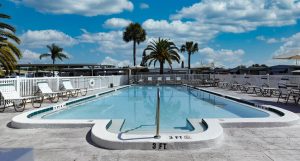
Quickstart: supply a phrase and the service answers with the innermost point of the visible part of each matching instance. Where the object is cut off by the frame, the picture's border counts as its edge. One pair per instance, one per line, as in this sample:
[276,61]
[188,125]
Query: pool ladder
[157,121]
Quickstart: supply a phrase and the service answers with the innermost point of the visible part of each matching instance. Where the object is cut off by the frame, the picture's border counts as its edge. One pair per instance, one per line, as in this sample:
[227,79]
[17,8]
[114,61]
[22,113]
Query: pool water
[137,105]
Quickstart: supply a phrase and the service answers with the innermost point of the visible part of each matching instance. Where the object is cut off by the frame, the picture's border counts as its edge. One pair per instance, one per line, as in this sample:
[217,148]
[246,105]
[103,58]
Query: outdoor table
[268,91]
[236,86]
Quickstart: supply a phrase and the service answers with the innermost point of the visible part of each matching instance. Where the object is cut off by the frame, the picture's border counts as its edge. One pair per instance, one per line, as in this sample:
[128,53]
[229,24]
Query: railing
[271,80]
[28,86]
[157,120]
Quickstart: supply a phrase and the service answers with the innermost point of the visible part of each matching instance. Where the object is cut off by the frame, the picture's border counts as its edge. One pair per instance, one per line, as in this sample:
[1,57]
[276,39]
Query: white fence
[271,80]
[28,86]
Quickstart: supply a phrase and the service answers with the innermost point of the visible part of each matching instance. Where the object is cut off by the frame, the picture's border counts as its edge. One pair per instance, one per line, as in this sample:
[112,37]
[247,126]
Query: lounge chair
[67,86]
[168,80]
[285,94]
[11,96]
[178,80]
[45,91]
[149,80]
[159,80]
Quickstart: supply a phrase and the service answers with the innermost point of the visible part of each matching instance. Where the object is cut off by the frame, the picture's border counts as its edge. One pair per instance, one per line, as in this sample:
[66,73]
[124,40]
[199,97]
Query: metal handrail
[157,121]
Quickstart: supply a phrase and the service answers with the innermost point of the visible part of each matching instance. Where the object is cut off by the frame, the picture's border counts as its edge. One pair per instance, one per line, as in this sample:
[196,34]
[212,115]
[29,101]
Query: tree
[162,51]
[56,52]
[190,47]
[134,32]
[9,53]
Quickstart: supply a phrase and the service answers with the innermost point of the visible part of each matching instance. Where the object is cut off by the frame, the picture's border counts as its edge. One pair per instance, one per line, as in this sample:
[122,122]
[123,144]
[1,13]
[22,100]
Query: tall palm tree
[9,53]
[162,51]
[190,47]
[134,32]
[56,52]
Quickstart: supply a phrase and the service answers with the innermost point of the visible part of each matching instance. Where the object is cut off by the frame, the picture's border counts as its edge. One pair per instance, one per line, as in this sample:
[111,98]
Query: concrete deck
[239,143]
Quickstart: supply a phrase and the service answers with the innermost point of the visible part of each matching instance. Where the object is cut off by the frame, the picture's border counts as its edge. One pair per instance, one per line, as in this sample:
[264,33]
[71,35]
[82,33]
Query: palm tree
[162,51]
[9,53]
[190,47]
[56,52]
[134,32]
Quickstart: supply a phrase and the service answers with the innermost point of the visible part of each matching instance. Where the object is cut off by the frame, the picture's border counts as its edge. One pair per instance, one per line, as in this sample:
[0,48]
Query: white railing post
[57,83]
[18,85]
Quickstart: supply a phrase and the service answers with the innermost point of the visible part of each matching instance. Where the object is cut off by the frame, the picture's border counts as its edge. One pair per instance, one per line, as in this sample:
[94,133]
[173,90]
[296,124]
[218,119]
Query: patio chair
[285,94]
[149,80]
[168,80]
[67,85]
[178,80]
[159,80]
[45,91]
[11,96]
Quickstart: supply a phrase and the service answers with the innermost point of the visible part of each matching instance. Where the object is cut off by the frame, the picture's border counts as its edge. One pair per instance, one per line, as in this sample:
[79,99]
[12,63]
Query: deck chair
[168,80]
[67,86]
[11,96]
[159,80]
[285,94]
[45,91]
[178,80]
[149,80]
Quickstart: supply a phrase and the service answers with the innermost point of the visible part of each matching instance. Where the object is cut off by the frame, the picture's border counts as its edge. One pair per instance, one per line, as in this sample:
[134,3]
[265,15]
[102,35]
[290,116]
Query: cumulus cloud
[144,6]
[179,31]
[29,56]
[222,57]
[79,7]
[108,42]
[116,23]
[271,40]
[202,21]
[240,16]
[290,47]
[41,38]
[119,63]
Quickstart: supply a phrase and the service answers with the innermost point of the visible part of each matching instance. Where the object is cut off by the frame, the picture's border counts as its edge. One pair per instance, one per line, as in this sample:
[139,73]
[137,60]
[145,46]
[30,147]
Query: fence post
[57,83]
[18,85]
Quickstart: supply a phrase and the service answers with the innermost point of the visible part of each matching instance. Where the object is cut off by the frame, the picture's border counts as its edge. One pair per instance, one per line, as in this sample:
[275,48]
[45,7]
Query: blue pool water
[137,105]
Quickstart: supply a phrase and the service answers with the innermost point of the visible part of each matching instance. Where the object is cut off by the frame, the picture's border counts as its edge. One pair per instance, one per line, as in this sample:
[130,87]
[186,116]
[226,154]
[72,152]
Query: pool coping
[102,137]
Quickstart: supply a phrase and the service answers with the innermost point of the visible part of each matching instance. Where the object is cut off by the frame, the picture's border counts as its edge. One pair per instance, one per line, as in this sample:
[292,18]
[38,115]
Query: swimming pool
[137,105]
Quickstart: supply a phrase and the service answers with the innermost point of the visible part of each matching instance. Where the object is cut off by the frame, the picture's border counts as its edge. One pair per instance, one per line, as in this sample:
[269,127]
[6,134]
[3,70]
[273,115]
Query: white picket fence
[28,86]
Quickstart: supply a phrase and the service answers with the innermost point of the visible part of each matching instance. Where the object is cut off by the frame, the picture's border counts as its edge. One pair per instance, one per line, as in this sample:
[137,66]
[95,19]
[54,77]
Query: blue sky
[229,33]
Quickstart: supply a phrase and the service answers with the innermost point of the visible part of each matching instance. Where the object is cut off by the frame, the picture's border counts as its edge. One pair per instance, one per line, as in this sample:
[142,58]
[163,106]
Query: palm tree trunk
[161,70]
[53,61]
[134,52]
[189,66]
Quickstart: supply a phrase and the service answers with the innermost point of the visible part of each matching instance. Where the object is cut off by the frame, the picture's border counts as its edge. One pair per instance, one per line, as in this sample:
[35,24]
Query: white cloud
[202,21]
[116,23]
[108,42]
[240,16]
[79,7]
[271,40]
[41,38]
[119,63]
[291,46]
[179,31]
[29,56]
[144,6]
[222,57]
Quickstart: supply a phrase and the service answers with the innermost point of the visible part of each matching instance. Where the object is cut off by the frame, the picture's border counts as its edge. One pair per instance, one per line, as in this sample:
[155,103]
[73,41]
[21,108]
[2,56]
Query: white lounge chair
[11,96]
[47,93]
[159,80]
[67,85]
[178,80]
[149,80]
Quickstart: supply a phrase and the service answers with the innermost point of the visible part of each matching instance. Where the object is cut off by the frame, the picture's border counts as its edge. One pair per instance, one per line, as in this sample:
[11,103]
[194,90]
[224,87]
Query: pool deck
[280,143]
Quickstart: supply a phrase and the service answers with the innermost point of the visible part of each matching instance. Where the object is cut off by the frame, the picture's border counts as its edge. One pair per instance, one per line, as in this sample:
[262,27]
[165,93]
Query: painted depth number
[159,146]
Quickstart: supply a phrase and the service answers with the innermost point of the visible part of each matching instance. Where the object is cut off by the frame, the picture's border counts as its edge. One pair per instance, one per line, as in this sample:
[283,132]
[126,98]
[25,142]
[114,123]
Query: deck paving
[73,144]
